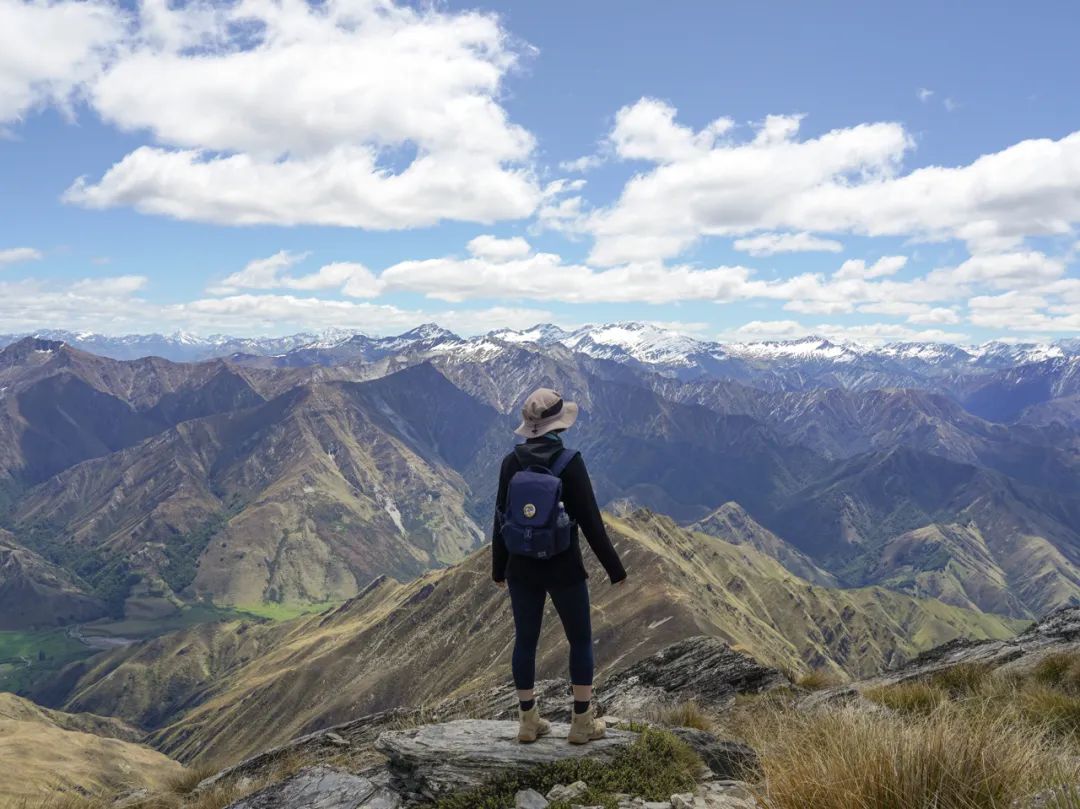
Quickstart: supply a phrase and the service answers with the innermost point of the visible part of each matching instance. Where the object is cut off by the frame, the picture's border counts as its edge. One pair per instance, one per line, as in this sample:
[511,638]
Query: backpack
[535,523]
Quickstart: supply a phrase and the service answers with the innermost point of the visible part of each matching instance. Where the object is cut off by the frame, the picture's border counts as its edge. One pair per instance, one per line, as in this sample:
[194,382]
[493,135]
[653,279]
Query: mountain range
[133,488]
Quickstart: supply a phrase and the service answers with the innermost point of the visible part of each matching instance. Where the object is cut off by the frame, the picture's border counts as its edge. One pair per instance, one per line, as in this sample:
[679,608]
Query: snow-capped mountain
[801,363]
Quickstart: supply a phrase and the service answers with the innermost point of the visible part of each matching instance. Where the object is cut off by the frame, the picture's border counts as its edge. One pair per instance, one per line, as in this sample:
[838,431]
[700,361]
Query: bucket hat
[545,411]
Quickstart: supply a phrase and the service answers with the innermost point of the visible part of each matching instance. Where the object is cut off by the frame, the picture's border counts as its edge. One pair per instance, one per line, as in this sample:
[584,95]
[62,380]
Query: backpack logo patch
[529,511]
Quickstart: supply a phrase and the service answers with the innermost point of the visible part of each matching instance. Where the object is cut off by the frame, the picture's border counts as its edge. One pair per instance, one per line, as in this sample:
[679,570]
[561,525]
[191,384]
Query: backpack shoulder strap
[562,460]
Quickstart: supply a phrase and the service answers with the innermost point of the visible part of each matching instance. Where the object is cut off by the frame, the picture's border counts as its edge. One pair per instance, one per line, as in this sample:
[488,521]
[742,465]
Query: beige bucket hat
[545,411]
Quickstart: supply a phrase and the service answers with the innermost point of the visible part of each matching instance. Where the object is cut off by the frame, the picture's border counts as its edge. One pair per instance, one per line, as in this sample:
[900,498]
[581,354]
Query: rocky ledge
[435,760]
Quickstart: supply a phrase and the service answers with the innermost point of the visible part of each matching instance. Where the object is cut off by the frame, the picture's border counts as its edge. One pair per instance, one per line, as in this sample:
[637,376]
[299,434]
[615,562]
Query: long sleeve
[581,505]
[499,554]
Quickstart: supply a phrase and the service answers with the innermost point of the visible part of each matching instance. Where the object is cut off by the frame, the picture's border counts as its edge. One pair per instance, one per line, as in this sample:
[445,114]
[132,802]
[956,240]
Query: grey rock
[561,792]
[702,668]
[726,758]
[530,799]
[321,788]
[434,760]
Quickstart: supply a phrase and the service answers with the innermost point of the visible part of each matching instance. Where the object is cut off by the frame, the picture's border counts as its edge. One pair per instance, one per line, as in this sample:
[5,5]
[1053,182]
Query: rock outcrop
[1057,632]
[434,760]
[322,788]
[703,669]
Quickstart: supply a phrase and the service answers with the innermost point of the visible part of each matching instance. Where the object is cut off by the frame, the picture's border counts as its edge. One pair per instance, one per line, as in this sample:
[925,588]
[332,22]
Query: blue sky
[742,171]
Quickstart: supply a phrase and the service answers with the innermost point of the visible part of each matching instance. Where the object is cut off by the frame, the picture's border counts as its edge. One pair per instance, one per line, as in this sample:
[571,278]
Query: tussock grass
[817,680]
[908,698]
[963,680]
[947,759]
[1060,670]
[687,714]
[656,766]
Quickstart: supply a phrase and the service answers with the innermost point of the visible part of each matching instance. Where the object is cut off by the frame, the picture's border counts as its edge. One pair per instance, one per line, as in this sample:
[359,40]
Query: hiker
[545,495]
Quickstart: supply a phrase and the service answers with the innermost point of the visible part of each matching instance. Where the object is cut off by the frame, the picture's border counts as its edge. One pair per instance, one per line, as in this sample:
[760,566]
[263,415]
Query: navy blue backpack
[535,523]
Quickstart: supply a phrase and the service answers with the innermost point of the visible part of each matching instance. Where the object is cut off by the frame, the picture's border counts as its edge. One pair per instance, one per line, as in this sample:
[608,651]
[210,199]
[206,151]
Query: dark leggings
[572,604]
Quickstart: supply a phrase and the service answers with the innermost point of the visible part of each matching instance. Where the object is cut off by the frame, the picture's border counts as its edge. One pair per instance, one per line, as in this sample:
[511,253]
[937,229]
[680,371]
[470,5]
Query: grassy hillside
[234,688]
[48,752]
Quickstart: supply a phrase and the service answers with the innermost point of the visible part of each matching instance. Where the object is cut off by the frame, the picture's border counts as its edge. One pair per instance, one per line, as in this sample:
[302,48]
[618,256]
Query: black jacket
[567,568]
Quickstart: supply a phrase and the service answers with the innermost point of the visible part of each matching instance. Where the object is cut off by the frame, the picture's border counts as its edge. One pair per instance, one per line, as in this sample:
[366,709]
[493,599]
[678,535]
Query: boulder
[321,788]
[434,760]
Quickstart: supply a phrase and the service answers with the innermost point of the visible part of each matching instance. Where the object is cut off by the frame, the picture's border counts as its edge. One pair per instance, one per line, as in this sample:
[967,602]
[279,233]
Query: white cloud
[14,255]
[857,268]
[582,164]
[492,248]
[543,276]
[109,306]
[705,186]
[844,181]
[353,279]
[866,333]
[950,105]
[768,244]
[924,94]
[647,131]
[112,287]
[49,50]
[363,114]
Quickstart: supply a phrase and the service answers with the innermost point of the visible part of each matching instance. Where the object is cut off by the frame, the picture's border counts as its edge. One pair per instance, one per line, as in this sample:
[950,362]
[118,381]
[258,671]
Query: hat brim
[560,421]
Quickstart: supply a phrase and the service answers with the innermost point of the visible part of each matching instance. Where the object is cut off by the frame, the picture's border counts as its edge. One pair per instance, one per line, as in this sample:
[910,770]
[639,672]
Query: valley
[229,553]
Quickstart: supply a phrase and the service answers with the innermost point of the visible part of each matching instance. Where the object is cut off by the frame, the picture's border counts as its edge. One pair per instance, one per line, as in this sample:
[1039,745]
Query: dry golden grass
[948,759]
[817,680]
[908,698]
[687,714]
[180,792]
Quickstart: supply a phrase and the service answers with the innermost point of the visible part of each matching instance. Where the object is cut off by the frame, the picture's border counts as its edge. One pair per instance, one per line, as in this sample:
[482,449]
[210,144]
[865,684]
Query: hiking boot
[531,726]
[586,727]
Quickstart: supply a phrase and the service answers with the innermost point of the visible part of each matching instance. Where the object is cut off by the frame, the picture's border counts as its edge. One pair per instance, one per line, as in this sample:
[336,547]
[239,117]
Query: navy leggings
[572,603]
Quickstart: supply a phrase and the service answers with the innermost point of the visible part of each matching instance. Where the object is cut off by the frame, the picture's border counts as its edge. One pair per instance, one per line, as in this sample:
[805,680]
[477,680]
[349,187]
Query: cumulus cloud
[857,268]
[364,114]
[353,279]
[14,255]
[769,244]
[112,306]
[495,249]
[544,276]
[844,181]
[50,50]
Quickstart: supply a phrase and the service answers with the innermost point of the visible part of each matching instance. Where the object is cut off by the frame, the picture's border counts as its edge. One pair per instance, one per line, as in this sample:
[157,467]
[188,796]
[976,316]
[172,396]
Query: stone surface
[530,799]
[726,758]
[321,788]
[703,669]
[434,760]
[567,792]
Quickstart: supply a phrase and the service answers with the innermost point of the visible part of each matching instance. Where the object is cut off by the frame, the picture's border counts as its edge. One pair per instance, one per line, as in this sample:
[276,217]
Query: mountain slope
[35,593]
[304,498]
[853,522]
[379,649]
[47,753]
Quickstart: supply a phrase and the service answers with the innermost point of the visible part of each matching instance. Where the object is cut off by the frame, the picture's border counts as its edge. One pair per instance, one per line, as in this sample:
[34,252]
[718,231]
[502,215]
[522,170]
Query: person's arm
[498,547]
[580,502]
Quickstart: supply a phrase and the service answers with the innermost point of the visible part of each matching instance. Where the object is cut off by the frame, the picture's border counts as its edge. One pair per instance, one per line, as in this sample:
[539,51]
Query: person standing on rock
[544,496]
